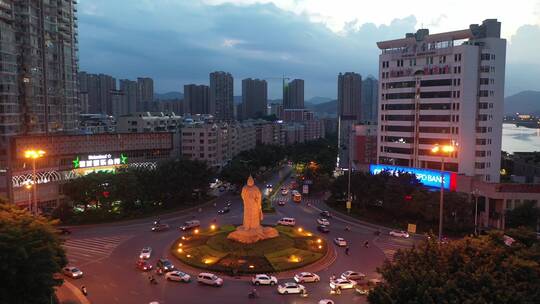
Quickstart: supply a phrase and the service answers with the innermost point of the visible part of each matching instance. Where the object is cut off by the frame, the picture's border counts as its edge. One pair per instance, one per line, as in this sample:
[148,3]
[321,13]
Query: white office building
[445,89]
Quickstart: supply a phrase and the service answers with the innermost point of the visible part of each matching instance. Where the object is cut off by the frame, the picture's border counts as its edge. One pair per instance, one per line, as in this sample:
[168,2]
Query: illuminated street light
[33,155]
[212,227]
[443,151]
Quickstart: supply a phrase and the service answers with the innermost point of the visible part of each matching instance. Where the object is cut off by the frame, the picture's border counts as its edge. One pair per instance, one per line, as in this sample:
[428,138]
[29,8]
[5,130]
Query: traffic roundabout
[211,250]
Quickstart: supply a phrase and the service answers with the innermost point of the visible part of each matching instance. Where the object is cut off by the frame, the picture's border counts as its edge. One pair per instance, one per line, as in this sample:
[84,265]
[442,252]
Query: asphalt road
[107,254]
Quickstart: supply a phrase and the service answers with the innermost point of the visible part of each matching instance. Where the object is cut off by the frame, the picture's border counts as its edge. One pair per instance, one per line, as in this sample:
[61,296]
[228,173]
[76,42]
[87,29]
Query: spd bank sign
[428,177]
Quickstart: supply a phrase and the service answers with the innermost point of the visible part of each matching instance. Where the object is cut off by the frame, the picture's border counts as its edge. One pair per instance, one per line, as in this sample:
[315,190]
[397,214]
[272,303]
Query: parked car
[72,272]
[325,214]
[143,265]
[146,252]
[353,275]
[290,287]
[306,277]
[190,225]
[160,227]
[341,242]
[164,265]
[209,279]
[323,221]
[177,276]
[342,284]
[287,221]
[264,279]
[400,233]
[323,229]
[224,210]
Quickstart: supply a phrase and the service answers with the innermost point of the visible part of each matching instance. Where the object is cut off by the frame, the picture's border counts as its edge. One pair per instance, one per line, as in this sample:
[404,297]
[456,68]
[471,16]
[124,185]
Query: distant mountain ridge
[168,96]
[527,102]
[324,109]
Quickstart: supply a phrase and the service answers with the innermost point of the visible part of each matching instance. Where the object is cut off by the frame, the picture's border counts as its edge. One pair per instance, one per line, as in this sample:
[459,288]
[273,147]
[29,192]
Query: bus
[297,197]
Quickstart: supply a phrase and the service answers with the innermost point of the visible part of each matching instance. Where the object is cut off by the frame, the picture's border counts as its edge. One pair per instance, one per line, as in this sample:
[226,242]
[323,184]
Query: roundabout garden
[211,250]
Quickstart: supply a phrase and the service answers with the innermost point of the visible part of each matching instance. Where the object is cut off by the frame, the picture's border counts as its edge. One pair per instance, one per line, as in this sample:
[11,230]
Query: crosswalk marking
[390,247]
[91,249]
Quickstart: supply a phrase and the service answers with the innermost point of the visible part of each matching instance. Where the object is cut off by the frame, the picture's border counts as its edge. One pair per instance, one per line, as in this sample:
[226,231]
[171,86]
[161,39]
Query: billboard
[428,177]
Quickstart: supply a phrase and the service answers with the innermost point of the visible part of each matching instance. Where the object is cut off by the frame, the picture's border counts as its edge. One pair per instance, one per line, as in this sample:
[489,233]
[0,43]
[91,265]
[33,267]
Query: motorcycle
[253,295]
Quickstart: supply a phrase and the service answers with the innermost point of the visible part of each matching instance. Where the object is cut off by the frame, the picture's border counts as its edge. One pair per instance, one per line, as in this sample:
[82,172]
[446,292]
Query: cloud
[180,42]
[523,64]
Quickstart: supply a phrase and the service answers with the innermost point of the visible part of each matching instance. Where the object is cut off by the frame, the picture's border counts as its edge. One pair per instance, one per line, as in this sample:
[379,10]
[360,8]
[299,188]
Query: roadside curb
[130,221]
[351,220]
[328,259]
[75,291]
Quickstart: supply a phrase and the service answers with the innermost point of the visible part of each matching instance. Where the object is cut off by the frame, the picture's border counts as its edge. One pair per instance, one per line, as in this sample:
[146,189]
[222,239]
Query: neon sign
[99,161]
[428,177]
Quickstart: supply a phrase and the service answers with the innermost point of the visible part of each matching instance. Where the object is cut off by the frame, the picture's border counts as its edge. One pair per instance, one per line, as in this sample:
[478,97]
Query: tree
[526,214]
[31,254]
[470,270]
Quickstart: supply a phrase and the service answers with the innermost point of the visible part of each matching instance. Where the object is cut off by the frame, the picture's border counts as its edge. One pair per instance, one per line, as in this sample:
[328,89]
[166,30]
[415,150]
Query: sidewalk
[68,293]
[352,220]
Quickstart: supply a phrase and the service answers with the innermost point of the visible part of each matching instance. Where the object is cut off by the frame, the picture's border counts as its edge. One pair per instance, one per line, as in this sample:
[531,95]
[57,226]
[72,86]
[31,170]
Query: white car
[146,252]
[323,221]
[342,284]
[287,221]
[326,301]
[209,279]
[290,287]
[177,276]
[401,233]
[306,277]
[263,279]
[72,272]
[341,242]
[353,275]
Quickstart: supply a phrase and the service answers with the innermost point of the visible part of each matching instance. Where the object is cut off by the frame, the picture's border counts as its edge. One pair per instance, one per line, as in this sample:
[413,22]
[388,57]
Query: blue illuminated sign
[430,178]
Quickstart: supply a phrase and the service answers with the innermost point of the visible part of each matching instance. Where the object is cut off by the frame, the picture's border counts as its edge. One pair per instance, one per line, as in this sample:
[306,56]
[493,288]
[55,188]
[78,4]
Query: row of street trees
[400,199]
[314,160]
[130,191]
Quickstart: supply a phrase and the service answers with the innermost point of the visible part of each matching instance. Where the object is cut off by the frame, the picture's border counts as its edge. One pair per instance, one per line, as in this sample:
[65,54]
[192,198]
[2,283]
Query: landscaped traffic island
[210,249]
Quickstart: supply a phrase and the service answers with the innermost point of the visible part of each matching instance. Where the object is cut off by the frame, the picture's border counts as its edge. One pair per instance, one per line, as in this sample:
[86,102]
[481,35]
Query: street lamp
[442,150]
[33,155]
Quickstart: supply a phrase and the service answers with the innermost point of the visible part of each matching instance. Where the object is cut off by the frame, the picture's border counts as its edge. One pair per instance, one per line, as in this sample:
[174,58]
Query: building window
[483,93]
[442,59]
[480,165]
[485,57]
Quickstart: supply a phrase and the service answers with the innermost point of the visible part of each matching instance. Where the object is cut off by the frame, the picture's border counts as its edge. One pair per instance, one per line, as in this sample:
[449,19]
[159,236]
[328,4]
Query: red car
[143,265]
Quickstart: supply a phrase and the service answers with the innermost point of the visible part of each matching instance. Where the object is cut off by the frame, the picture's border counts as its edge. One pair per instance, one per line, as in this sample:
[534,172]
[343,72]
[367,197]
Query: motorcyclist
[84,291]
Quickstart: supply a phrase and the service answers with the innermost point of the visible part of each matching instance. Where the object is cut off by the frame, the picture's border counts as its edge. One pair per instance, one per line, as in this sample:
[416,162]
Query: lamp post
[446,149]
[476,192]
[33,155]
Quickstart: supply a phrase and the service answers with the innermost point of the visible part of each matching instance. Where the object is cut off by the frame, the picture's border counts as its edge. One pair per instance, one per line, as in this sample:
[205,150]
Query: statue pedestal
[248,236]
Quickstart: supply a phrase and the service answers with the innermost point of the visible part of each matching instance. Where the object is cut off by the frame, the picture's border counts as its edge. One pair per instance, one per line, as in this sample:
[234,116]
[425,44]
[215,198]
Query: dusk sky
[177,42]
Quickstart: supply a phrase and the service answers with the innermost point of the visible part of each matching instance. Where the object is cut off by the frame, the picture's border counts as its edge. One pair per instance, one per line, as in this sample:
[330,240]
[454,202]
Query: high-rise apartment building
[349,113]
[196,99]
[293,95]
[349,96]
[98,90]
[129,90]
[254,98]
[38,46]
[445,89]
[221,96]
[369,100]
[145,93]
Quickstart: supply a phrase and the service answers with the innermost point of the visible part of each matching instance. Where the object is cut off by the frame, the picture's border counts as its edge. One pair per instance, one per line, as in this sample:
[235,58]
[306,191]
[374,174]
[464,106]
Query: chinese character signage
[99,160]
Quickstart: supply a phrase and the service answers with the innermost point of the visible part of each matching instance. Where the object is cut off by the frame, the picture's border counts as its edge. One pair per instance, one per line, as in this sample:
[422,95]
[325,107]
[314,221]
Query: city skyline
[176,54]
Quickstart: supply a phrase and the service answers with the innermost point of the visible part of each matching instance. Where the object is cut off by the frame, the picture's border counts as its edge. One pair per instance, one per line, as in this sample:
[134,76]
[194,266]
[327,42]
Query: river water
[520,139]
